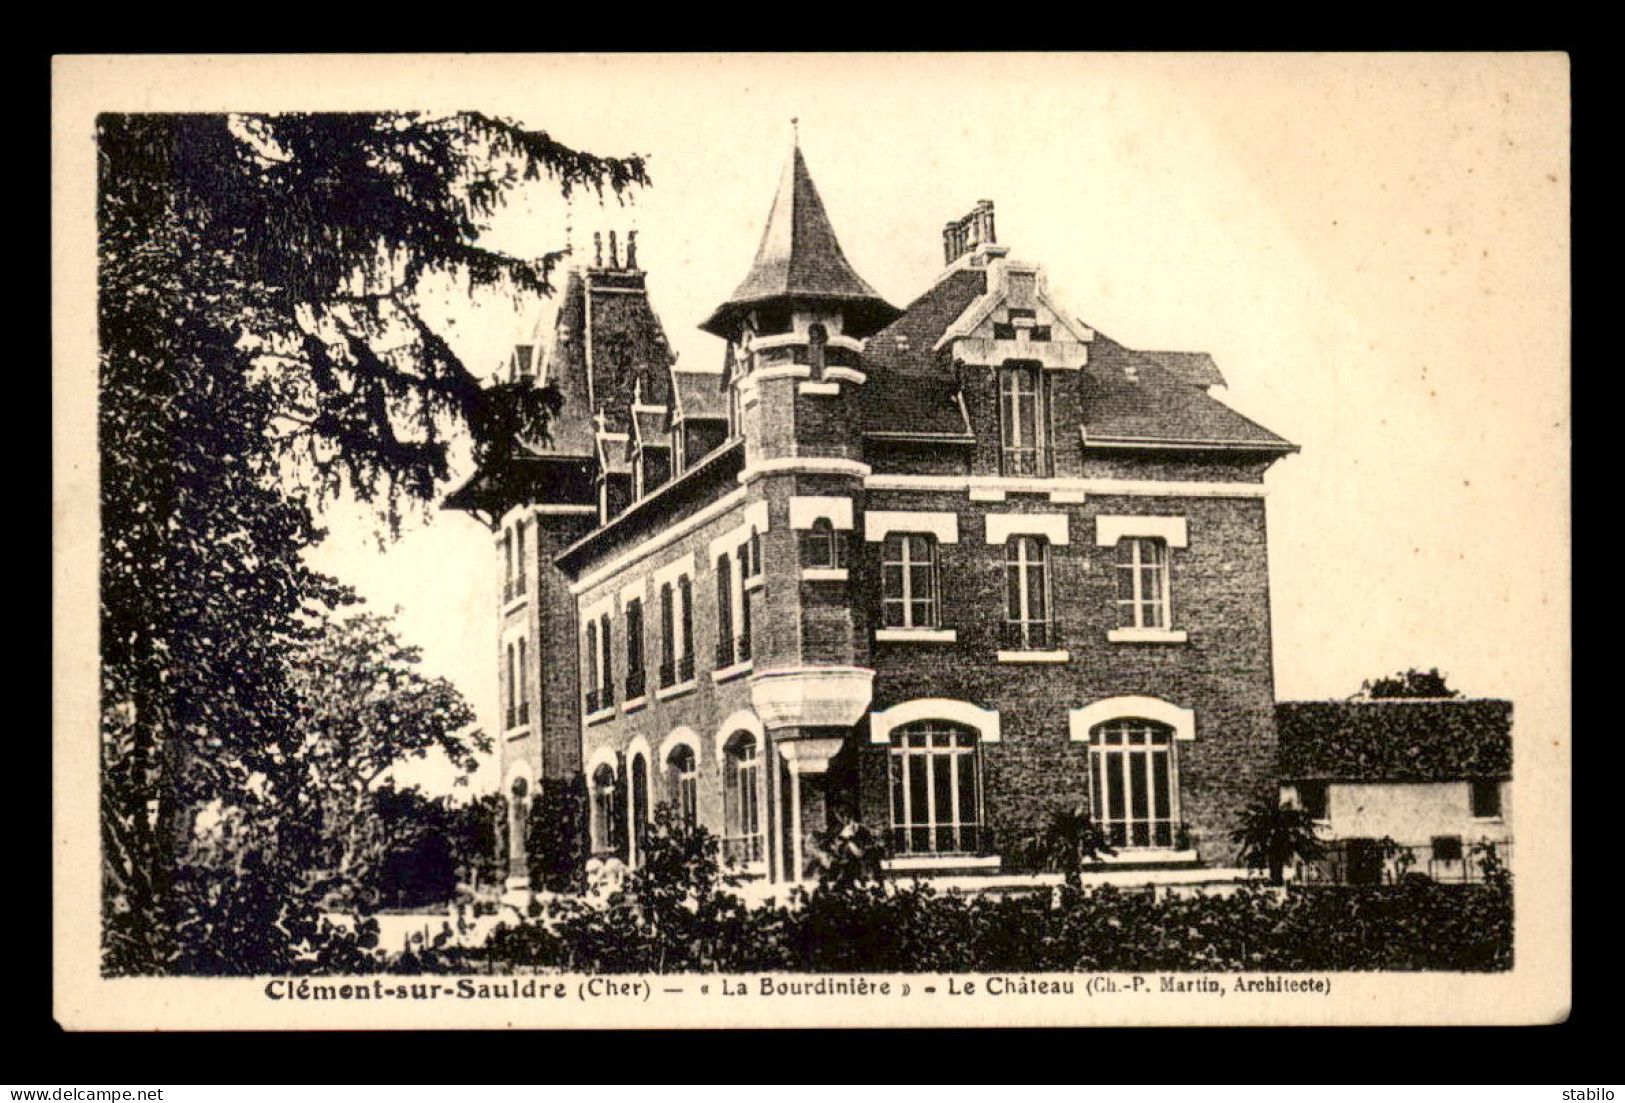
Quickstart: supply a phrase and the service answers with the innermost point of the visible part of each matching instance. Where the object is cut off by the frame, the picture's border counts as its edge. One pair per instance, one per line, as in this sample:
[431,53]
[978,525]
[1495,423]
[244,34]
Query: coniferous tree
[263,283]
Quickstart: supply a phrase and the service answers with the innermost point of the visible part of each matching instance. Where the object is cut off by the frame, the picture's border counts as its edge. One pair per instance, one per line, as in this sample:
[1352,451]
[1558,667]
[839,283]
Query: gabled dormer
[699,416]
[614,470]
[649,449]
[1016,320]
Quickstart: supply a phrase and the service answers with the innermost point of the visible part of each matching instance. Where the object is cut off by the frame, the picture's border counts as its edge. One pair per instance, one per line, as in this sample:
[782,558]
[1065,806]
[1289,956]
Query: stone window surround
[985,722]
[943,525]
[1111,529]
[1053,527]
[1081,722]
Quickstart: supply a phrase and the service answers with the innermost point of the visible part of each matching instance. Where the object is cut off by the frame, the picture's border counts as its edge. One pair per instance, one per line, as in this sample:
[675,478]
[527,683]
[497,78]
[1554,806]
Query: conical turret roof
[800,261]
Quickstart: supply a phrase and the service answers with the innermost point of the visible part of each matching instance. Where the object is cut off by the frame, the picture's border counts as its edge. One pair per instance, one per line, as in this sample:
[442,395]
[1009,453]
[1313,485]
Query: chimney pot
[632,249]
[614,251]
[597,249]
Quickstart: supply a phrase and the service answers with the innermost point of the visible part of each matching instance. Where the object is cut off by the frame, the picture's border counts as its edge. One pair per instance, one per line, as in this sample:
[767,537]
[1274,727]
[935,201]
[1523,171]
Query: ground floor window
[639,805]
[685,783]
[1131,774]
[743,837]
[936,789]
[604,812]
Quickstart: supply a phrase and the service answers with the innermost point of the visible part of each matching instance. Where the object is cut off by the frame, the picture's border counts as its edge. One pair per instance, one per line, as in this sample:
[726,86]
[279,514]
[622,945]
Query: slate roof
[1157,405]
[799,259]
[649,426]
[911,388]
[1395,740]
[1195,368]
[699,395]
[555,480]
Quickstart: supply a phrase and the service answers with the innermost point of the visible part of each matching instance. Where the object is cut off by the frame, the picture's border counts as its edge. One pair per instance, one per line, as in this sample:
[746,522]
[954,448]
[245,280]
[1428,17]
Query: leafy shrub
[676,914]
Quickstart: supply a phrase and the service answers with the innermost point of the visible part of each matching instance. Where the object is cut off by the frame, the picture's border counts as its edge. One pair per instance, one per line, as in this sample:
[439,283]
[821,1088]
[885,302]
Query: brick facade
[840,423]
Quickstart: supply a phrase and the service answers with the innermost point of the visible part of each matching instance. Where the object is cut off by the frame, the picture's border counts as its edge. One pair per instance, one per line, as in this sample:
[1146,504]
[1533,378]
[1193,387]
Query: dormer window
[1022,421]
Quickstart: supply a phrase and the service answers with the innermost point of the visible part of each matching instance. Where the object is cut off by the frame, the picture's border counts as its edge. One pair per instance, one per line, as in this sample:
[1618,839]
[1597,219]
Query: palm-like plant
[1273,833]
[1069,840]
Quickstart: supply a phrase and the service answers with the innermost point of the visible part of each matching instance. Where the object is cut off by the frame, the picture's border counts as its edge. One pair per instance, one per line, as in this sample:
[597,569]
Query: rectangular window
[1027,599]
[510,712]
[592,704]
[606,674]
[634,649]
[507,565]
[725,612]
[1143,597]
[519,559]
[1486,799]
[685,625]
[908,580]
[1312,798]
[1447,848]
[668,637]
[524,683]
[1022,421]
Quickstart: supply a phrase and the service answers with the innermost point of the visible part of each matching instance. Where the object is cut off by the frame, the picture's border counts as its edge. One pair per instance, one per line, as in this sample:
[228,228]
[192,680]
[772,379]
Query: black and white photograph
[703,540]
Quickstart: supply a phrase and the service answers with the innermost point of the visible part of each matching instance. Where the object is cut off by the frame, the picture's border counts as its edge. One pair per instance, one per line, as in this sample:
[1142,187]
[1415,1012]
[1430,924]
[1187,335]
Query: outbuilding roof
[1399,739]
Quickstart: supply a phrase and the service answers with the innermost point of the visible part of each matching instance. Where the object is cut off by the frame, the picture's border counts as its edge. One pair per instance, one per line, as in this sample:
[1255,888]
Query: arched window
[908,580]
[1027,598]
[639,805]
[822,546]
[685,782]
[936,789]
[743,837]
[518,821]
[817,343]
[1132,781]
[604,813]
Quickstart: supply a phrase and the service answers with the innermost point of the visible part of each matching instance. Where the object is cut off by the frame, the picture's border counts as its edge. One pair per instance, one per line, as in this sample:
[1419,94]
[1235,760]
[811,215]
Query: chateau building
[942,569]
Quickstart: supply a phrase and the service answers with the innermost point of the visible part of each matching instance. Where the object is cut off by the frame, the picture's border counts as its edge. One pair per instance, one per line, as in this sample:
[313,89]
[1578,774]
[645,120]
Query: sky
[1373,248]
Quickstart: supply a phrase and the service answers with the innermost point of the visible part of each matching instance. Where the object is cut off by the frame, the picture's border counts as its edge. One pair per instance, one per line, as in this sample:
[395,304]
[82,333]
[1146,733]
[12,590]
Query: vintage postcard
[812,539]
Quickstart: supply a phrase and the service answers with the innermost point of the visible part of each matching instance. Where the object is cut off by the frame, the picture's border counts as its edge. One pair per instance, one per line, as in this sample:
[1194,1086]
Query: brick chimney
[966,234]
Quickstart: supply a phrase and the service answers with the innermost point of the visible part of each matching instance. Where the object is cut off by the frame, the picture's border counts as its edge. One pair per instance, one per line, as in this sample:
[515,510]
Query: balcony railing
[519,586]
[685,668]
[732,650]
[507,591]
[524,713]
[634,683]
[1028,462]
[591,702]
[668,674]
[942,839]
[740,850]
[1031,635]
[1450,860]
[510,716]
